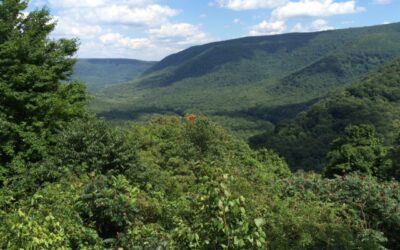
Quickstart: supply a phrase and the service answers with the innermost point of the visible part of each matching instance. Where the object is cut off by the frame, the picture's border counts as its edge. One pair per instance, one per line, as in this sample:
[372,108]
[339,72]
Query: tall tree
[34,101]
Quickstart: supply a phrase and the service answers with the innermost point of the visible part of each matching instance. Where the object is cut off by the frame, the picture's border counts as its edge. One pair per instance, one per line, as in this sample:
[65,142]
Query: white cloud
[315,8]
[181,33]
[65,4]
[141,29]
[118,40]
[105,50]
[383,2]
[70,28]
[120,13]
[248,4]
[317,25]
[285,9]
[268,28]
[72,4]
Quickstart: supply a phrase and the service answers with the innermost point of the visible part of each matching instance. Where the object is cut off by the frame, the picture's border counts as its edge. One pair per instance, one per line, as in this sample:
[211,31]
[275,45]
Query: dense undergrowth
[178,184]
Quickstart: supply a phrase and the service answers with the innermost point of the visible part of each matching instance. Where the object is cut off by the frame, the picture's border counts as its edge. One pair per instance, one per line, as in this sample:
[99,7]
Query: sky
[153,29]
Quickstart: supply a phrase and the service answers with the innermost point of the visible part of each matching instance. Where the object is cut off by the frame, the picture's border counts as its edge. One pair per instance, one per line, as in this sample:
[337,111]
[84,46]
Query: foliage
[178,195]
[304,222]
[93,146]
[370,207]
[147,236]
[357,151]
[48,220]
[305,141]
[108,205]
[33,102]
[394,170]
[220,221]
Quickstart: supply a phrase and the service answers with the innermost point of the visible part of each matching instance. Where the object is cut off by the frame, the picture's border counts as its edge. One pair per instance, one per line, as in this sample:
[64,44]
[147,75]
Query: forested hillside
[69,180]
[102,73]
[251,83]
[305,141]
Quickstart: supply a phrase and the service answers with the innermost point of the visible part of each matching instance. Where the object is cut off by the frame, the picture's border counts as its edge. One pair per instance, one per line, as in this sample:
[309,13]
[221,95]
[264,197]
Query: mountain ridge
[185,54]
[250,73]
[99,73]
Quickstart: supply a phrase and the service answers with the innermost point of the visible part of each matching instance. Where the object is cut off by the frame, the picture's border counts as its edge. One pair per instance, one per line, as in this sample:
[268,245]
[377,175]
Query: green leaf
[259,222]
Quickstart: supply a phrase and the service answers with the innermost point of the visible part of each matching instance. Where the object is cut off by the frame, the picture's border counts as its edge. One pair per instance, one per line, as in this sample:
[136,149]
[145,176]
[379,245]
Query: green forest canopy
[305,140]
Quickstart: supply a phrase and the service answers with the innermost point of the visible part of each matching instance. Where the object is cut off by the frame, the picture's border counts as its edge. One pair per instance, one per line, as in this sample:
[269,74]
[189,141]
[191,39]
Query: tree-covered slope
[305,141]
[248,83]
[102,73]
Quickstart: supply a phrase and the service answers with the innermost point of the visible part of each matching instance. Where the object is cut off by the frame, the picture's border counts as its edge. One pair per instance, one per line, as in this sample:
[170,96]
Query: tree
[394,155]
[358,150]
[34,101]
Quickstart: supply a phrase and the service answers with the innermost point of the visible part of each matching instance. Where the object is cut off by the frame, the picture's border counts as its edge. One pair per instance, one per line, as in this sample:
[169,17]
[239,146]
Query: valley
[251,84]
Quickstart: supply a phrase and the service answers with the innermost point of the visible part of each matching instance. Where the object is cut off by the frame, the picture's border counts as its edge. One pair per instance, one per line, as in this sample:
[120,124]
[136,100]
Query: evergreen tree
[34,101]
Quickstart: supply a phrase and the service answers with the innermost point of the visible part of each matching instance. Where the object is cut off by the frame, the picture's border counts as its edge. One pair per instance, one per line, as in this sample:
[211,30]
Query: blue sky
[153,29]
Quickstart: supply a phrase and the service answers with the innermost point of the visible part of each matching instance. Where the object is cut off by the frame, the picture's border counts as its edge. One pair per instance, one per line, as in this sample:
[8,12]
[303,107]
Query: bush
[108,205]
[47,220]
[94,146]
[371,208]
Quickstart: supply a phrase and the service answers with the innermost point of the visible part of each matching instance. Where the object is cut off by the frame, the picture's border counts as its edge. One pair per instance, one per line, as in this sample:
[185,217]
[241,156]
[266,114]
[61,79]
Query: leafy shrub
[108,205]
[94,146]
[371,208]
[147,237]
[304,222]
[47,220]
[219,221]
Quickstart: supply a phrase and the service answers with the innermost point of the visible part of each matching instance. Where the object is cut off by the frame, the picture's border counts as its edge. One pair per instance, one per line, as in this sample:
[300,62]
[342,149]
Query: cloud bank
[149,30]
[123,28]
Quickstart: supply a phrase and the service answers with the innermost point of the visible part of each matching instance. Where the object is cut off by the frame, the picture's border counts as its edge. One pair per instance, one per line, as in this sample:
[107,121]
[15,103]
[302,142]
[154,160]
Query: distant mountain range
[251,84]
[102,73]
